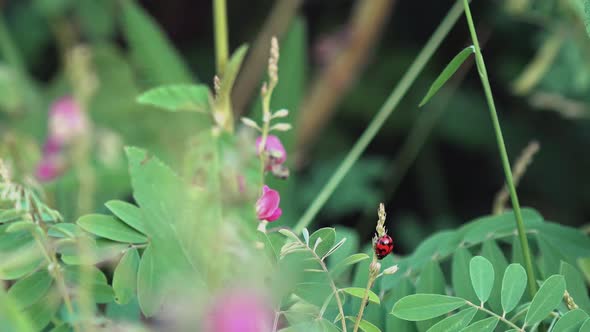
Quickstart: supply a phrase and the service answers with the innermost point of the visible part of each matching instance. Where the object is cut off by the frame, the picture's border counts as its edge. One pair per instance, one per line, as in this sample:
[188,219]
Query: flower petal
[276,215]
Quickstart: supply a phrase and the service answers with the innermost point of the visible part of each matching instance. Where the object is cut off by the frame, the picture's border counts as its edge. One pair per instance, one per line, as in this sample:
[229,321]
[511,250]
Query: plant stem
[372,278]
[57,275]
[532,284]
[335,289]
[388,107]
[221,38]
[491,313]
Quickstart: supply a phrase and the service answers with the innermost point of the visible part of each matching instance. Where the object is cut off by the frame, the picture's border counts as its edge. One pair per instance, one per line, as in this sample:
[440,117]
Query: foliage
[154,220]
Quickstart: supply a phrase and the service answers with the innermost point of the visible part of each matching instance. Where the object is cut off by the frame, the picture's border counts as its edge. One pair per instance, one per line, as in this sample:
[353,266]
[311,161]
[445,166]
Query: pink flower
[66,120]
[52,146]
[49,168]
[239,311]
[267,206]
[275,150]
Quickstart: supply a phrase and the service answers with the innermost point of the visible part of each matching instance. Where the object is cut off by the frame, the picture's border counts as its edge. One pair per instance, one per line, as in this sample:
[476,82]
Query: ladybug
[383,246]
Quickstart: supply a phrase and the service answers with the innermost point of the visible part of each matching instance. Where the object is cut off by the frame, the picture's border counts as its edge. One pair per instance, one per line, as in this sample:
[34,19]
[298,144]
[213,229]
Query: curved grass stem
[388,107]
[481,67]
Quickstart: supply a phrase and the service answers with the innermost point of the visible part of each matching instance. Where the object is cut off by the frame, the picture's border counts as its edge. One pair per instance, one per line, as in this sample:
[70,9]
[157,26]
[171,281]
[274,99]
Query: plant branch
[335,291]
[370,282]
[221,35]
[49,254]
[491,313]
[380,118]
[532,284]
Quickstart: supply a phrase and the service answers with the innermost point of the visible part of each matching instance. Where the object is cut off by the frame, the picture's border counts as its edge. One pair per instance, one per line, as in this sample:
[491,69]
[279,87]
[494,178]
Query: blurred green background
[435,167]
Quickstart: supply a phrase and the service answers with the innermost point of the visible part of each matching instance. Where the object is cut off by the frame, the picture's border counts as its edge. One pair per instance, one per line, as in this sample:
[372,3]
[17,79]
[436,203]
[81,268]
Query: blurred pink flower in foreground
[275,150]
[239,311]
[267,206]
[66,120]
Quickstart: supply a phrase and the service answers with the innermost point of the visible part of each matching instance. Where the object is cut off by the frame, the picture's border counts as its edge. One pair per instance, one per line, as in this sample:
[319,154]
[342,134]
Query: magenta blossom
[275,150]
[52,146]
[239,311]
[267,206]
[67,120]
[50,167]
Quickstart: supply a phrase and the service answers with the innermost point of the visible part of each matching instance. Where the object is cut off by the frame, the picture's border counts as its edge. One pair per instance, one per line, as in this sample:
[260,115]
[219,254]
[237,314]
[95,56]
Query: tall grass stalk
[221,34]
[388,107]
[481,68]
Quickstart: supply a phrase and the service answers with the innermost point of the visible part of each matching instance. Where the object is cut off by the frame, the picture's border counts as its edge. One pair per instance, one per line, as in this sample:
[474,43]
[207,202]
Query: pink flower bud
[267,206]
[239,311]
[66,120]
[275,150]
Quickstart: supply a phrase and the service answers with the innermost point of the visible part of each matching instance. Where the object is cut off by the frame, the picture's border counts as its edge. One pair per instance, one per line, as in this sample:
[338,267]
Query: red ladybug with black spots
[383,246]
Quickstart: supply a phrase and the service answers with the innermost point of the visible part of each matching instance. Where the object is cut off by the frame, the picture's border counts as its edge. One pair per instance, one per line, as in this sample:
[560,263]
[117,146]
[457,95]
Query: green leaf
[575,285]
[360,293]
[180,97]
[231,72]
[449,70]
[21,226]
[493,253]
[482,277]
[460,279]
[150,48]
[350,260]
[12,317]
[328,236]
[44,310]
[585,326]
[550,257]
[169,209]
[364,325]
[148,291]
[454,322]
[570,242]
[29,290]
[430,281]
[420,307]
[63,230]
[393,323]
[587,15]
[128,213]
[484,325]
[129,312]
[305,234]
[547,298]
[11,215]
[513,286]
[571,321]
[102,250]
[23,260]
[63,327]
[125,277]
[92,280]
[110,228]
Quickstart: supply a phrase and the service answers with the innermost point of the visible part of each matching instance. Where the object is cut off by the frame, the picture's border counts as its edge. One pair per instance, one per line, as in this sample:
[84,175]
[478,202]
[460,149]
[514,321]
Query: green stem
[532,284]
[493,314]
[372,278]
[388,107]
[221,39]
[335,290]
